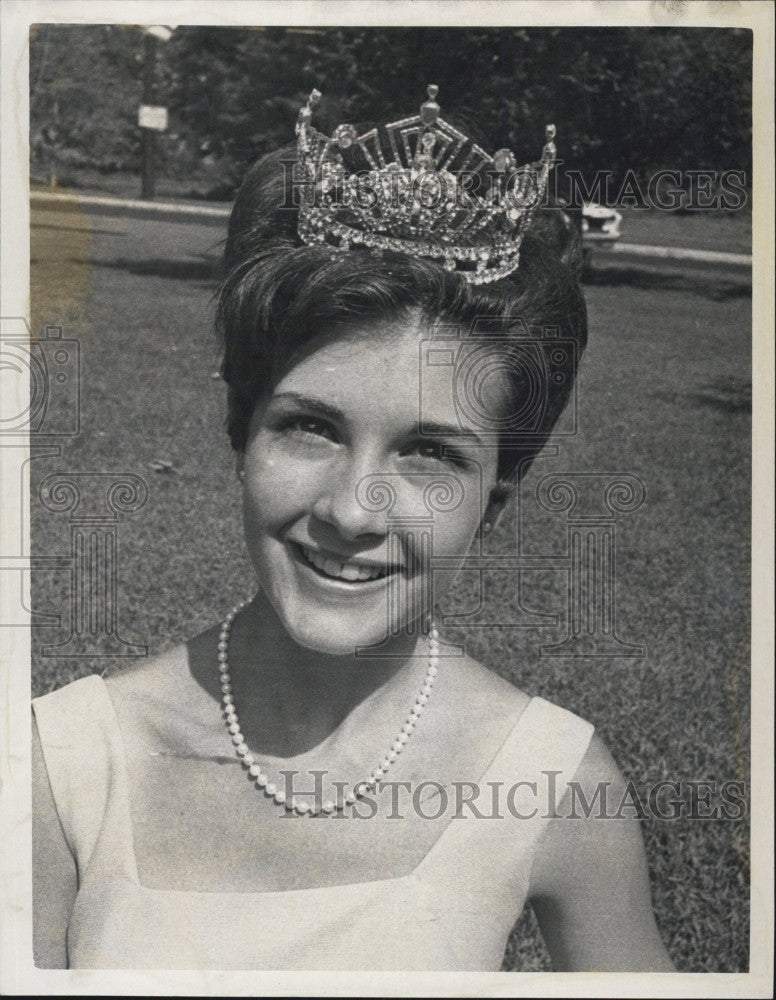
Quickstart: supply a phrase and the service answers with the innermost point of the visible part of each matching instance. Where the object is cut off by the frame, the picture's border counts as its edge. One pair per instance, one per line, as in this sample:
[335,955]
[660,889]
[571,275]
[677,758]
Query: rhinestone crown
[418,186]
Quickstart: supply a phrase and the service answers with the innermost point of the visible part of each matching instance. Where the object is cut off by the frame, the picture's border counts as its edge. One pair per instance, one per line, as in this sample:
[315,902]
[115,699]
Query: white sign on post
[161,31]
[153,117]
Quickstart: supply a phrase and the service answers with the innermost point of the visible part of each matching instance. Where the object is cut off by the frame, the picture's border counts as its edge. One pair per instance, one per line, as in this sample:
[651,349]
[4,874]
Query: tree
[623,99]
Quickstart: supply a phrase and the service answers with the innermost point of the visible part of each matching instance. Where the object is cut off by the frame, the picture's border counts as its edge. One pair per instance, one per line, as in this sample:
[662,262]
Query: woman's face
[340,556]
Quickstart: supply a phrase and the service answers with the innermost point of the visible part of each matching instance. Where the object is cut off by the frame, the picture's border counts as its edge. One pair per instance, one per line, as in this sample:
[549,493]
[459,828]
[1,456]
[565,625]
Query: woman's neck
[290,698]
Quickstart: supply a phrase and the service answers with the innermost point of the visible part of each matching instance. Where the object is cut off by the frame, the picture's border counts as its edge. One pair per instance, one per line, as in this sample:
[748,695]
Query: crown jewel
[418,186]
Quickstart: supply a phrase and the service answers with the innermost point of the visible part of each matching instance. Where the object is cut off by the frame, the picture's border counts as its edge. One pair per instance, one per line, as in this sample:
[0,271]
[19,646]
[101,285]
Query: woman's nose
[344,503]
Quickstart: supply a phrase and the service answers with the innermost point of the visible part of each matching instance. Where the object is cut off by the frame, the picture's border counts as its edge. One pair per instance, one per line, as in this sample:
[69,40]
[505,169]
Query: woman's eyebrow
[310,403]
[431,428]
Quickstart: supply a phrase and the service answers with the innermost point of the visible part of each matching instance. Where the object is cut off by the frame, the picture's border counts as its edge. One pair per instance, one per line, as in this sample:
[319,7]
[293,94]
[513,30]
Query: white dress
[453,911]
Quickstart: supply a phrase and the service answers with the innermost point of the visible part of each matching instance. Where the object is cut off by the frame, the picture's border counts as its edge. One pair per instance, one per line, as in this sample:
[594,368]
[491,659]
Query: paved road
[650,240]
[728,231]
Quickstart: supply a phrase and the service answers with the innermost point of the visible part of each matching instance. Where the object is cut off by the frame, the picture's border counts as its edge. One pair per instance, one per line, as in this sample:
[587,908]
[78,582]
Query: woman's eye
[431,449]
[307,427]
[439,452]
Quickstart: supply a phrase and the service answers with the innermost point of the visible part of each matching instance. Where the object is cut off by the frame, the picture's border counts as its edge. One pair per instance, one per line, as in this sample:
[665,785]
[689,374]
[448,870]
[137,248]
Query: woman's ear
[497,501]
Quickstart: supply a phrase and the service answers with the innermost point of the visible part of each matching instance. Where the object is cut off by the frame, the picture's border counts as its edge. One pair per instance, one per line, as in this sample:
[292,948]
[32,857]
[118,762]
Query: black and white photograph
[387,463]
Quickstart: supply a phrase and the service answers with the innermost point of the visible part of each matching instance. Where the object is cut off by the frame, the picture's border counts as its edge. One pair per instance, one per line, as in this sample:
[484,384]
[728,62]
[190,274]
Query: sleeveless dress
[453,911]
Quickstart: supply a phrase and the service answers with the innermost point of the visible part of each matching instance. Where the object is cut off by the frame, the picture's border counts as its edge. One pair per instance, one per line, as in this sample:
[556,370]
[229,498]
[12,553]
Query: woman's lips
[331,567]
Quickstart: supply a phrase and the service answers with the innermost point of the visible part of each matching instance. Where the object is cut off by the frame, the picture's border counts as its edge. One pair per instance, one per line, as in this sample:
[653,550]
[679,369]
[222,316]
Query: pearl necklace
[262,779]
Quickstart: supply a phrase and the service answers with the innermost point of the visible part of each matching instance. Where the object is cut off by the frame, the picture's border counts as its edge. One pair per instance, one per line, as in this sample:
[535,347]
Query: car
[598,226]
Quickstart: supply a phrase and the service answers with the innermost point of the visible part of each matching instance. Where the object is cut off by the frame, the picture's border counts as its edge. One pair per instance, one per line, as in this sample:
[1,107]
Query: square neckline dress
[452,912]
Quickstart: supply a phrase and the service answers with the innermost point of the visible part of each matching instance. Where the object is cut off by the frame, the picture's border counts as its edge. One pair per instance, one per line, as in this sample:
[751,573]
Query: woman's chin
[344,643]
[339,639]
[341,626]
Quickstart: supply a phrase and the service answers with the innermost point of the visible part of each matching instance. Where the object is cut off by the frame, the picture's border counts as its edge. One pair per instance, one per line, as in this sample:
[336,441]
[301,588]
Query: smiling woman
[387,385]
[343,420]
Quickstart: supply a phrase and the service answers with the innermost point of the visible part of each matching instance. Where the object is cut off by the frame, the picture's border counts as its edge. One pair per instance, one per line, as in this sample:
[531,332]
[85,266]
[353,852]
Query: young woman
[320,781]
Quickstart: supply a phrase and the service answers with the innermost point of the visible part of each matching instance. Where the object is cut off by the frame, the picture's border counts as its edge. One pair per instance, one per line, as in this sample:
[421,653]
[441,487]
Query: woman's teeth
[352,572]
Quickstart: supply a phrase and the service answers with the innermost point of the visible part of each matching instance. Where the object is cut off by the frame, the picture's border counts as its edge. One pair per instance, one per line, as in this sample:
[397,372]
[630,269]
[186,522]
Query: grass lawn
[727,231]
[664,394]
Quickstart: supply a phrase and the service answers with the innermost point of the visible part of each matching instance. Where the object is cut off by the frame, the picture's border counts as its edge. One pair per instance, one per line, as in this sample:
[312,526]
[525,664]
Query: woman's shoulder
[149,679]
[589,883]
[479,686]
[489,697]
[164,701]
[98,701]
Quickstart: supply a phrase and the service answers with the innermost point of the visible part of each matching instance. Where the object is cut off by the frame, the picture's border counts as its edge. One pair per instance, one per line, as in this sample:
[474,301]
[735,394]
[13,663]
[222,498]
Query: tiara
[418,186]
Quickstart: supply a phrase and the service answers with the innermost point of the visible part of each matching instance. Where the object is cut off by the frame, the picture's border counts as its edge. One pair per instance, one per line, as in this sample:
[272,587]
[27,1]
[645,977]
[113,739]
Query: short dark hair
[279,295]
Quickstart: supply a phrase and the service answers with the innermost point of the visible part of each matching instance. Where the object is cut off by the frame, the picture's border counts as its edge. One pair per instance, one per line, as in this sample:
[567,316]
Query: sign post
[151,118]
[148,135]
